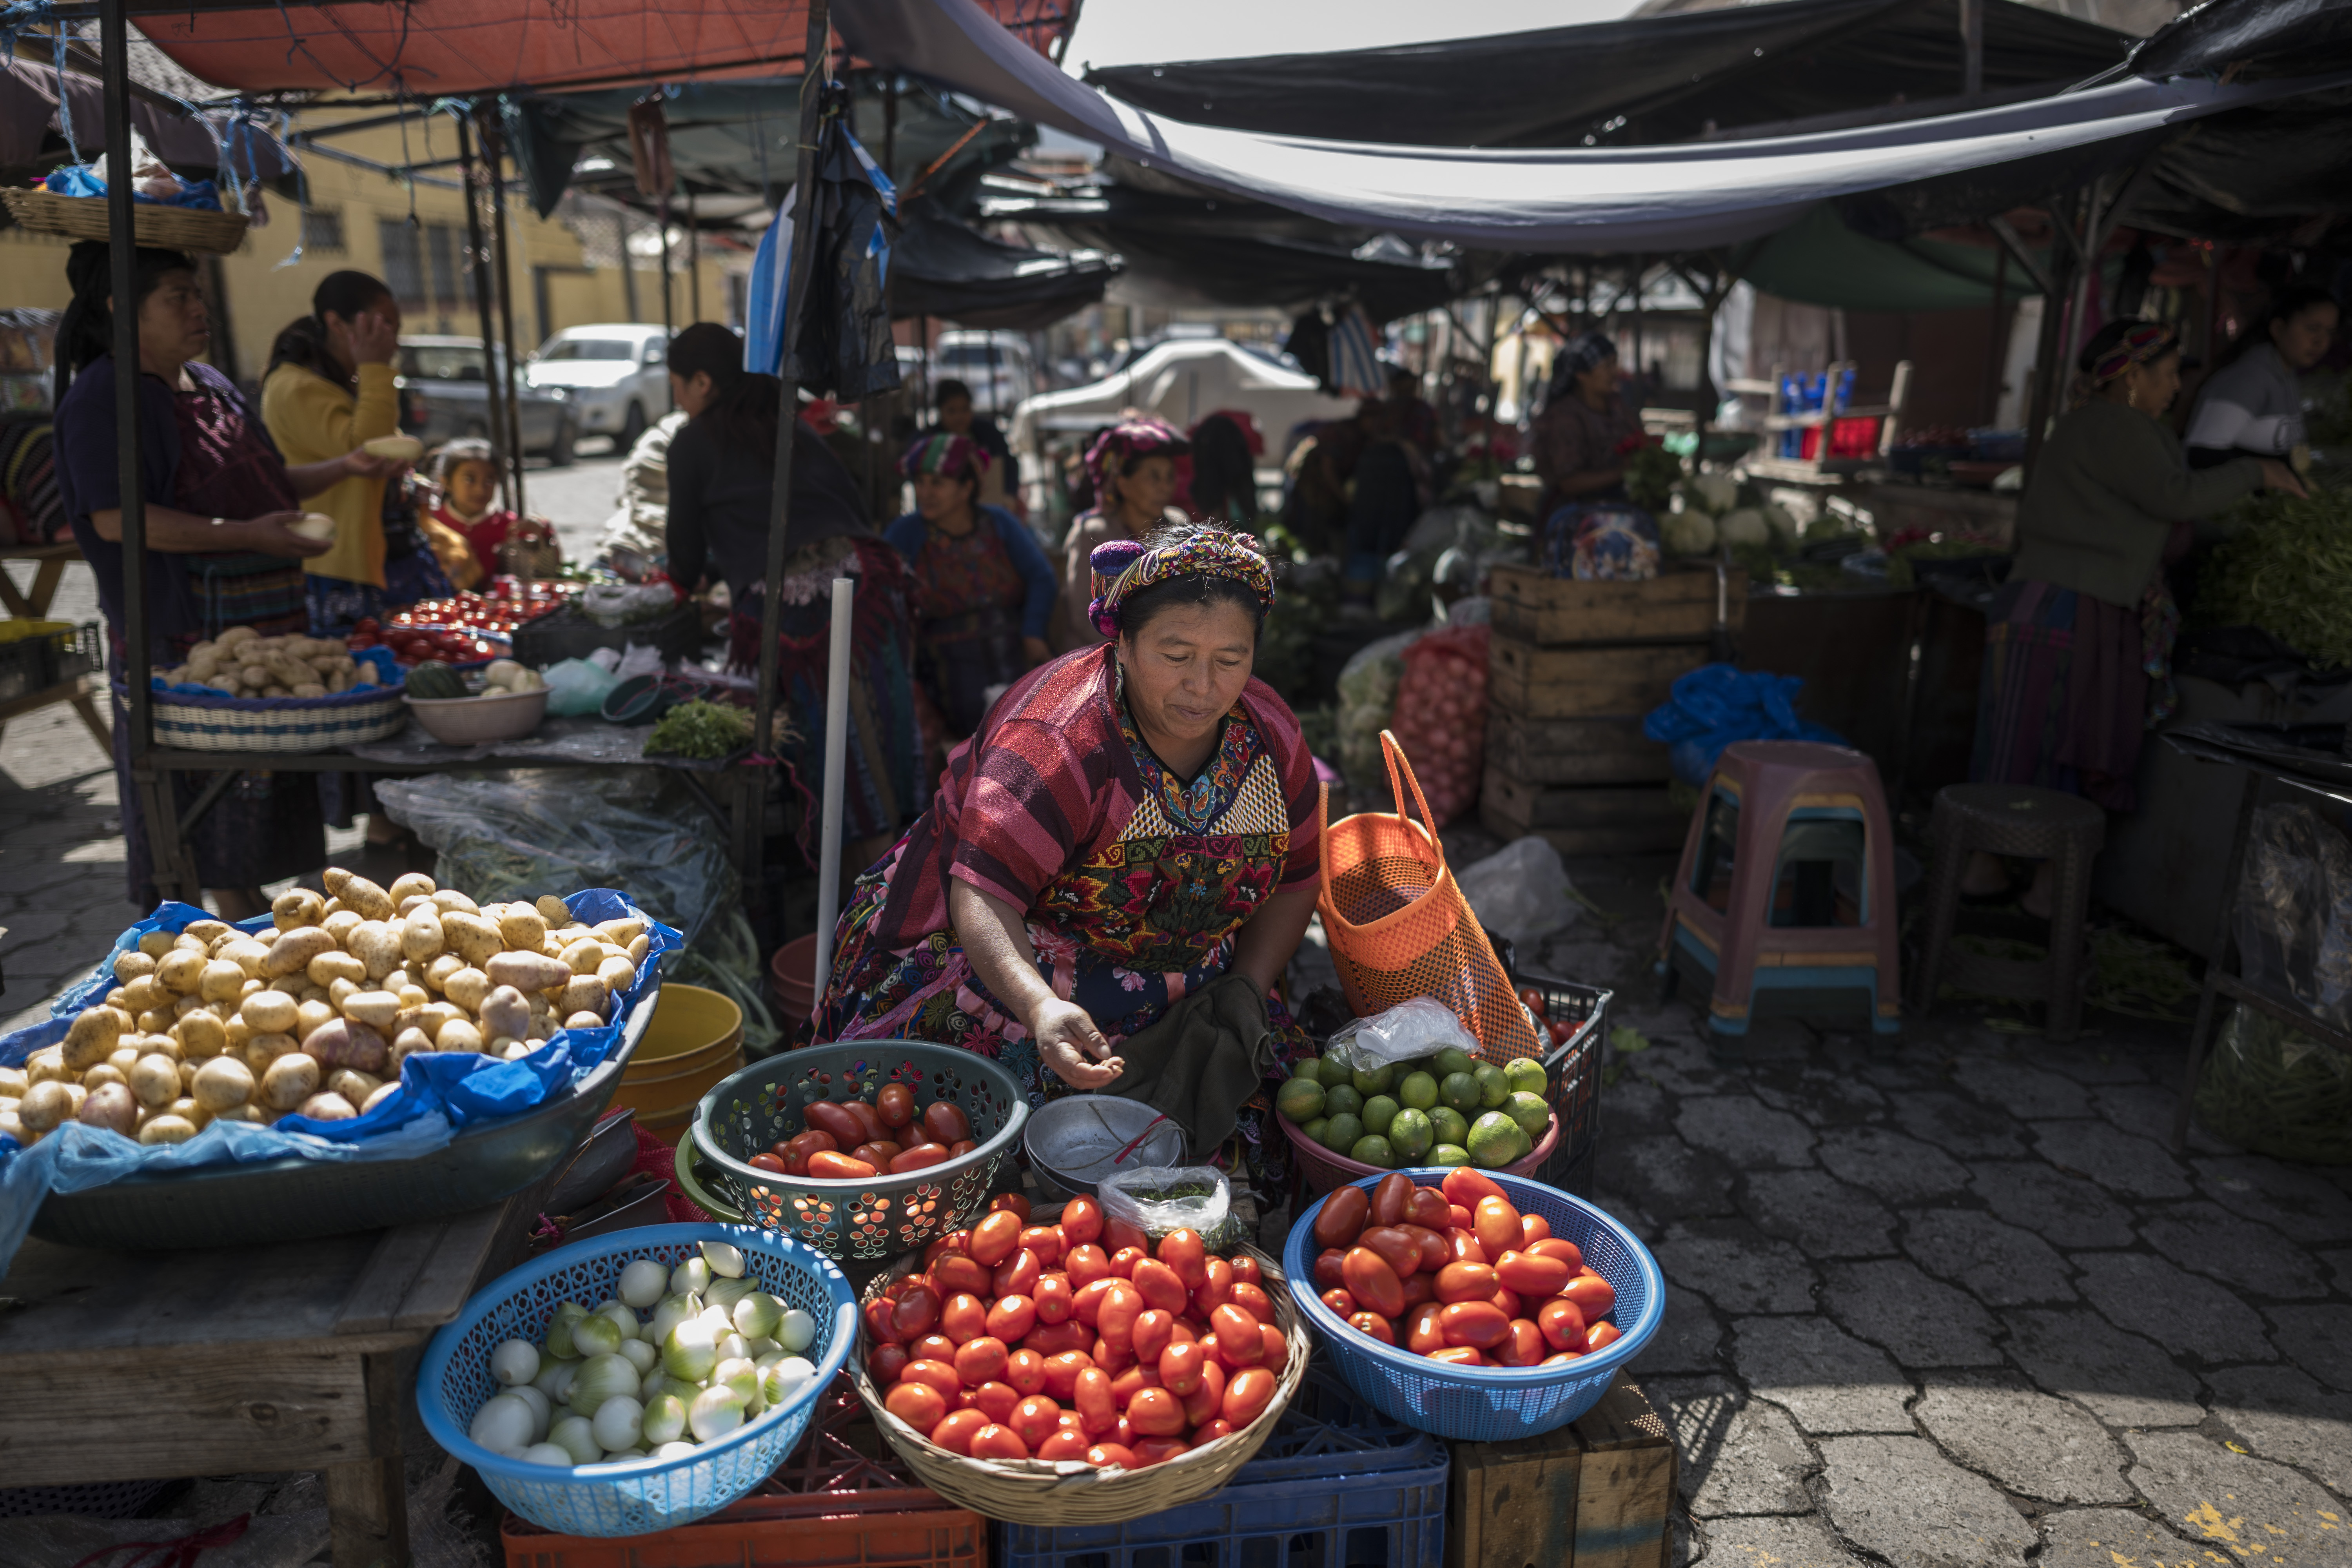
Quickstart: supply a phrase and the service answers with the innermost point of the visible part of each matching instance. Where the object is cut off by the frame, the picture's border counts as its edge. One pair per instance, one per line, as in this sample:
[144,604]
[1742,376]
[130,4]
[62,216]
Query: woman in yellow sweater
[328,390]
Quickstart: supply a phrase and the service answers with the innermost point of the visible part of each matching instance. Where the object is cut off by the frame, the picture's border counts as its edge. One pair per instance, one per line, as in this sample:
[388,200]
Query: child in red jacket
[468,478]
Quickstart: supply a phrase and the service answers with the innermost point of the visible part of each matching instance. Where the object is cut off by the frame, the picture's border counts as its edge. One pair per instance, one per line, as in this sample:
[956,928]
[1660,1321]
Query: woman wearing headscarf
[2253,402]
[220,552]
[983,591]
[328,389]
[2078,642]
[722,484]
[1132,467]
[1134,821]
[1580,439]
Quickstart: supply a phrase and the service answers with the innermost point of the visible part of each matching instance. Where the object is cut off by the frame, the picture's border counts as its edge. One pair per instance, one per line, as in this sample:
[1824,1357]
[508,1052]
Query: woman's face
[941,499]
[1186,668]
[340,328]
[173,327]
[2151,387]
[955,415]
[1147,491]
[1597,384]
[692,393]
[2303,339]
[472,487]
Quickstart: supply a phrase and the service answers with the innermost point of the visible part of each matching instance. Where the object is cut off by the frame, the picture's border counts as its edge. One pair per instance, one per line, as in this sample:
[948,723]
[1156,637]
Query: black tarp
[940,267]
[2261,38]
[1643,81]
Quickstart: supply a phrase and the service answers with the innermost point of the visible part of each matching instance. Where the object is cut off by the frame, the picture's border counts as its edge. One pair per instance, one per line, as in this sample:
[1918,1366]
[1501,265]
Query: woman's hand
[370,339]
[1034,651]
[1068,1042]
[2277,476]
[272,534]
[362,464]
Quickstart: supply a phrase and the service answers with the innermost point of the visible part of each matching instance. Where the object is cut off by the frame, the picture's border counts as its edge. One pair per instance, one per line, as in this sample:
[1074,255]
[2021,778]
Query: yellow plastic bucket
[696,1038]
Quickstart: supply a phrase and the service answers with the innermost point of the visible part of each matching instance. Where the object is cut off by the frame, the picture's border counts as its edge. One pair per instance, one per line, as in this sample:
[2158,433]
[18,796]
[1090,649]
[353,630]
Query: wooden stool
[2030,824]
[1759,903]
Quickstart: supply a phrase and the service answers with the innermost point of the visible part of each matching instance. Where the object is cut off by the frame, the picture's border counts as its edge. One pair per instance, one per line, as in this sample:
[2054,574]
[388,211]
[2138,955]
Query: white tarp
[1585,198]
[1183,381]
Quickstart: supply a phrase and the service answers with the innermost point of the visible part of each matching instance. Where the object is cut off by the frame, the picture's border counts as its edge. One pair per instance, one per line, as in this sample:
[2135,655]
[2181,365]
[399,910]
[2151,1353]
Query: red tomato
[1104,1455]
[1497,1227]
[1560,1030]
[1278,1348]
[994,1442]
[1341,1300]
[1464,1186]
[1397,1249]
[1086,1264]
[1390,1197]
[1458,1355]
[1045,1241]
[825,1116]
[1179,1368]
[1123,1261]
[1478,1324]
[916,1312]
[1531,1273]
[1063,1443]
[1436,1252]
[885,1361]
[1427,1207]
[996,1237]
[1341,1218]
[1159,1450]
[1533,1227]
[1114,1321]
[1535,1001]
[1466,1247]
[1183,1251]
[1053,1299]
[1090,1396]
[921,1157]
[919,1404]
[1245,1270]
[953,1241]
[1085,1307]
[1216,1286]
[895,1104]
[1082,1220]
[1562,1324]
[1458,1218]
[996,1401]
[1013,1200]
[1250,1299]
[934,1347]
[1203,1403]
[1526,1346]
[1507,1300]
[1600,1337]
[1155,1331]
[981,1359]
[1560,1247]
[1118,1233]
[1063,1371]
[826,1166]
[937,1374]
[868,1118]
[1422,1333]
[1053,1339]
[1326,1268]
[1017,1275]
[1373,1324]
[1592,1293]
[1155,1413]
[1010,1318]
[1239,1344]
[947,1120]
[1024,1369]
[1370,1281]
[1113,1359]
[1210,1431]
[1419,1288]
[1465,1282]
[963,1318]
[955,1272]
[877,1155]
[1036,1419]
[767,1162]
[1247,1395]
[1160,1286]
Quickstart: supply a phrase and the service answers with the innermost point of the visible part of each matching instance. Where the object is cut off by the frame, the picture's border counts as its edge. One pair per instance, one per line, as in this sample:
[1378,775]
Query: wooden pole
[130,481]
[478,253]
[836,760]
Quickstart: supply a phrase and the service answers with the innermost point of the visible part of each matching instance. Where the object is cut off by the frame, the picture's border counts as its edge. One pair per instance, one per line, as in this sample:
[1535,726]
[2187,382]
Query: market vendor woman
[2078,642]
[1135,820]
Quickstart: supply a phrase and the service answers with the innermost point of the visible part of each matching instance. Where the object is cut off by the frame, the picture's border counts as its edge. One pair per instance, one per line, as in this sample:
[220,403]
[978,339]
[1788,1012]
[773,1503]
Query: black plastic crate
[24,668]
[82,651]
[566,632]
[1571,1069]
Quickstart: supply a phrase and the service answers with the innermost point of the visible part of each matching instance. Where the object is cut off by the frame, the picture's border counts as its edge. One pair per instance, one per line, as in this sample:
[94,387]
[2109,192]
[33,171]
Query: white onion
[690,1351]
[733,1346]
[785,1378]
[541,1412]
[502,1425]
[724,1293]
[741,1377]
[723,1259]
[673,1310]
[515,1363]
[618,1423]
[691,1277]
[762,1350]
[595,1336]
[641,1355]
[715,1413]
[796,1330]
[655,1380]
[547,1454]
[559,1331]
[757,1315]
[554,1379]
[675,1452]
[664,1420]
[599,1380]
[624,1317]
[575,1437]
[644,1282]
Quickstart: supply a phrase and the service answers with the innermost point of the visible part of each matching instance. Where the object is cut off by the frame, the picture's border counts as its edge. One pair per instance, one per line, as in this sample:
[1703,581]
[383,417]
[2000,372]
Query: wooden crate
[1553,612]
[1584,819]
[1610,750]
[1594,1494]
[1585,682]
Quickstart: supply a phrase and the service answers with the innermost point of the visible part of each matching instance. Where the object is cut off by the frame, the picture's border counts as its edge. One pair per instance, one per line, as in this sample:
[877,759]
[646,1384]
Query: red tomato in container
[1154,1331]
[1036,1419]
[1052,1298]
[1373,1325]
[1017,1275]
[1532,1274]
[1155,1413]
[1465,1282]
[1391,1194]
[1342,1217]
[1104,1455]
[1464,1186]
[1245,1270]
[1247,1395]
[996,1237]
[895,1104]
[1340,1300]
[916,1312]
[937,1374]
[981,1359]
[1013,1200]
[767,1162]
[1238,1341]
[1203,1403]
[963,1318]
[1179,1368]
[1122,1304]
[1063,1372]
[1152,1451]
[1595,1295]
[922,1156]
[957,1272]
[1045,1241]
[1254,1301]
[1422,1331]
[919,1404]
[997,1401]
[885,1361]
[1533,1227]
[1082,1221]
[826,1166]
[1560,1247]
[945,1121]
[1024,1369]
[1066,1443]
[1326,1268]
[1086,1264]
[1478,1324]
[1161,1286]
[1397,1249]
[994,1442]
[1370,1281]
[1011,1318]
[1525,1347]
[1091,1397]
[1562,1324]
[1600,1337]
[1497,1226]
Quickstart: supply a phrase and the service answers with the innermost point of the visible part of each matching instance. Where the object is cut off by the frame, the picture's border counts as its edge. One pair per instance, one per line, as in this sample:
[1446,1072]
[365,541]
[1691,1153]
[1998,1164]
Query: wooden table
[49,571]
[124,1366]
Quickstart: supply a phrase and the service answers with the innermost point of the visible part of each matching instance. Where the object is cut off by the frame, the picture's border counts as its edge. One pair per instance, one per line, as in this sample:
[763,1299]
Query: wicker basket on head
[169,227]
[1070,1491]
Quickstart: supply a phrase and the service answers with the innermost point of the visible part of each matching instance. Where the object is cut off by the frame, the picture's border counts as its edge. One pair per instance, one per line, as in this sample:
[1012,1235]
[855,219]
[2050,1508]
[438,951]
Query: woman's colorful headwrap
[942,452]
[1138,436]
[2138,345]
[1123,568]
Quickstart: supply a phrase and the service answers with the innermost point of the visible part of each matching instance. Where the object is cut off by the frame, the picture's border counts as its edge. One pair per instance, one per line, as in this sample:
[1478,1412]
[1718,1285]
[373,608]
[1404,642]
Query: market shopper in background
[2253,402]
[496,544]
[1588,424]
[1135,821]
[983,590]
[1001,483]
[722,482]
[2078,642]
[220,551]
[641,522]
[1132,466]
[1224,471]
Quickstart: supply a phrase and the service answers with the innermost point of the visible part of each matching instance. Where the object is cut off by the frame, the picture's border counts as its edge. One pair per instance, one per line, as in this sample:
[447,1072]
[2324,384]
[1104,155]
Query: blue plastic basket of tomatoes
[1472,1304]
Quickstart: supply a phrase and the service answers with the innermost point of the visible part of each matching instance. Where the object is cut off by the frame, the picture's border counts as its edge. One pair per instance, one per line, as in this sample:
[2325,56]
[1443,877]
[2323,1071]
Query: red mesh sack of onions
[1441,716]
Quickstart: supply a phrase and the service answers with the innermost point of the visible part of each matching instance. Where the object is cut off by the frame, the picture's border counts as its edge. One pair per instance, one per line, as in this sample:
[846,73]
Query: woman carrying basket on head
[1133,822]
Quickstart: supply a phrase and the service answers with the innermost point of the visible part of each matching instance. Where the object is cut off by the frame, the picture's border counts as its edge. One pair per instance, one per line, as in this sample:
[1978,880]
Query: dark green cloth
[1201,1063]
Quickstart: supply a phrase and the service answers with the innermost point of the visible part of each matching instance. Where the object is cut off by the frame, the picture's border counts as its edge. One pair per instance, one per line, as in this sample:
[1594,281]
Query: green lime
[1378,1112]
[1493,1087]
[1496,1141]
[1449,1124]
[1340,1132]
[1373,1149]
[1307,1070]
[1453,1058]
[1411,1134]
[1374,1080]
[1314,1130]
[1418,1090]
[1341,1099]
[1531,1114]
[1460,1090]
[1300,1100]
[1448,1154]
[1525,1075]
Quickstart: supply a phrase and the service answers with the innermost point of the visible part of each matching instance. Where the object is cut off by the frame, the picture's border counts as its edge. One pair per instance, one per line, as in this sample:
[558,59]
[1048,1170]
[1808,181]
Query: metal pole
[693,259]
[1996,343]
[114,70]
[803,266]
[506,309]
[478,256]
[890,130]
[1971,46]
[669,327]
[836,762]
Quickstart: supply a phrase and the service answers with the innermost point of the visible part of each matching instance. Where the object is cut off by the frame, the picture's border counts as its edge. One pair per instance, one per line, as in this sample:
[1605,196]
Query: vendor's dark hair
[745,405]
[303,340]
[1199,590]
[1224,476]
[85,330]
[2286,303]
[949,388]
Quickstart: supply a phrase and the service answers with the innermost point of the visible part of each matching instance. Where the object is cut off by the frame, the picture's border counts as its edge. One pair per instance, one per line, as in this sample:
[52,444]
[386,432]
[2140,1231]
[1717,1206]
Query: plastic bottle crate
[842,1500]
[1571,1073]
[1338,1484]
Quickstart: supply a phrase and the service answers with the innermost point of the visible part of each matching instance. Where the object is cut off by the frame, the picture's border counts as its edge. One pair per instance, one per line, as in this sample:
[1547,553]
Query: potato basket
[751,1110]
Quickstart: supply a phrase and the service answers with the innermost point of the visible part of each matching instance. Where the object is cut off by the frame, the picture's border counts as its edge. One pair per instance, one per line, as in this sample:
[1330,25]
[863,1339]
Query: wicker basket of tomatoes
[1075,1371]
[863,1148]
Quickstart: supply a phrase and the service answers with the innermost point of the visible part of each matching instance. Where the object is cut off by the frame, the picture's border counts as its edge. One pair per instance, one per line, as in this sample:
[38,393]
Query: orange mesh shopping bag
[1400,928]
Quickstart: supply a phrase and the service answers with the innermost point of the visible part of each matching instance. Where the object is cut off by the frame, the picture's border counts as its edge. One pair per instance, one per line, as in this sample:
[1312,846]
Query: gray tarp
[1594,200]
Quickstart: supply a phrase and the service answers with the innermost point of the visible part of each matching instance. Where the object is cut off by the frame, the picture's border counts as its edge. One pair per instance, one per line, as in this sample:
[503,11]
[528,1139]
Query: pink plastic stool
[1787,883]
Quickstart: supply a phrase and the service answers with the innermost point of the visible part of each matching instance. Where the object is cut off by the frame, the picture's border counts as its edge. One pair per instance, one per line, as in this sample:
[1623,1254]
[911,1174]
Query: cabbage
[1782,522]
[1713,492]
[1688,533]
[1745,526]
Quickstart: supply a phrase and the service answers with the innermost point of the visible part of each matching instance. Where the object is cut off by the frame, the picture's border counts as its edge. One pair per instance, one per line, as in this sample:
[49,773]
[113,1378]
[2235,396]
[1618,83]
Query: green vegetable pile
[2271,1089]
[705,729]
[2287,570]
[1651,475]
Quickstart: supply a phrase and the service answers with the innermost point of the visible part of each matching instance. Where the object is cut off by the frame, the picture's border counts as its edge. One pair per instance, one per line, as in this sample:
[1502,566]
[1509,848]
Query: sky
[1143,32]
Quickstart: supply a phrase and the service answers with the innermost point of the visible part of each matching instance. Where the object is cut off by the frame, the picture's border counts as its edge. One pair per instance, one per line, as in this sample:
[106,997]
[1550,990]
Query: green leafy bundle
[1651,474]
[2288,571]
[705,729]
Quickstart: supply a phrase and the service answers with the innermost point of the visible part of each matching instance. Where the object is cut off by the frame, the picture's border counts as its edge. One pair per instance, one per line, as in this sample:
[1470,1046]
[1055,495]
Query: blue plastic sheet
[78,180]
[440,1093]
[1716,704]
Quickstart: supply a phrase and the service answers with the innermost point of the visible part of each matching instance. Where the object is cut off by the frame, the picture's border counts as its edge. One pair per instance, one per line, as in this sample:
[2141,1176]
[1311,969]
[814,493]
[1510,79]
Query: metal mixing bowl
[1072,1141]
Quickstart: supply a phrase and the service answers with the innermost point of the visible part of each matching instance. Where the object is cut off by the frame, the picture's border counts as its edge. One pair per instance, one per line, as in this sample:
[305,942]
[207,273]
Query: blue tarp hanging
[845,348]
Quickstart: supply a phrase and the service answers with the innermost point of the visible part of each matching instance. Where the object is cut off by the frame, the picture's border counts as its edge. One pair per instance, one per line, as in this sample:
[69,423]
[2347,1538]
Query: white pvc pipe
[836,762]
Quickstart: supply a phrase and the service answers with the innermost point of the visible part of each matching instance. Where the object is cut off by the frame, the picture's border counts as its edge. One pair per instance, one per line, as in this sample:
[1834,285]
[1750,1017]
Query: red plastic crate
[842,1500]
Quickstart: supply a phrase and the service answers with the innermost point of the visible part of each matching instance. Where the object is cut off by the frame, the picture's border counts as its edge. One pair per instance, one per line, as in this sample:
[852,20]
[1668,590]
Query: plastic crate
[1571,1071]
[844,1499]
[82,651]
[23,666]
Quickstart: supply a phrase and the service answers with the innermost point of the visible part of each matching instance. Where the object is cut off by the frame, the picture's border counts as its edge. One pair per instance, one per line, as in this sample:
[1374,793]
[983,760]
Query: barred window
[323,229]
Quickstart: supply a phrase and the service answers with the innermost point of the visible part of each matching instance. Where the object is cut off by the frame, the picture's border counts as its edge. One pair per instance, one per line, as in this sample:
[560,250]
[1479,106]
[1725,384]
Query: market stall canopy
[940,267]
[428,48]
[2259,37]
[33,138]
[1643,80]
[1819,260]
[1592,200]
[1182,381]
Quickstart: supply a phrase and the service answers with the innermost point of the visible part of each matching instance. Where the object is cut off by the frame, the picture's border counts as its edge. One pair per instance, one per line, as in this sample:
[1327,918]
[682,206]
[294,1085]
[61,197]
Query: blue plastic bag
[1716,704]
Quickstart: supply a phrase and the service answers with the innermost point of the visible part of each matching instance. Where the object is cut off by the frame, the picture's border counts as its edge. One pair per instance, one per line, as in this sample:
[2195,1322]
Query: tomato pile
[1074,1341]
[850,1141]
[415,645]
[1440,717]
[1559,1031]
[1456,1274]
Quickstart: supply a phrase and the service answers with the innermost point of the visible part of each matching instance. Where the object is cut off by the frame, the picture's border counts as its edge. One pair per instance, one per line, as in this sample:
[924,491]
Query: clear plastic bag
[1158,1199]
[1521,892]
[578,685]
[1407,1031]
[2272,1089]
[2293,914]
[1368,689]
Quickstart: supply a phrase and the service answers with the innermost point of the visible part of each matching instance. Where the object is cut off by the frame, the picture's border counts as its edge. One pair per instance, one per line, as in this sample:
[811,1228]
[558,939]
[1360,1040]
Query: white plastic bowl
[477,721]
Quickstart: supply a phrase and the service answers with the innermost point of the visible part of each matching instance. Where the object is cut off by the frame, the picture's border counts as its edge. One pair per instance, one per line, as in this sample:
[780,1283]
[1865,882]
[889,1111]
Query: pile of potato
[315,1019]
[244,663]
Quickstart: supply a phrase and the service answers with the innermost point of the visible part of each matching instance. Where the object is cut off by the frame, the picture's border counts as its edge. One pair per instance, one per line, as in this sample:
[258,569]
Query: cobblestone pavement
[1950,1300]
